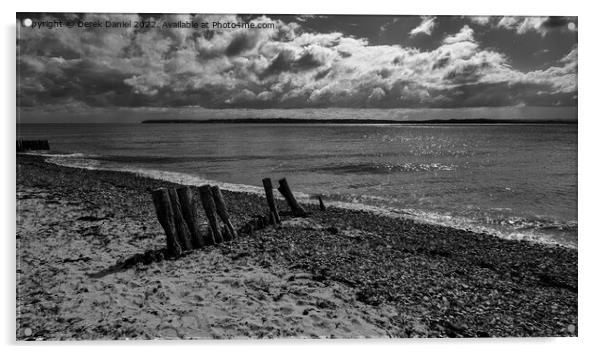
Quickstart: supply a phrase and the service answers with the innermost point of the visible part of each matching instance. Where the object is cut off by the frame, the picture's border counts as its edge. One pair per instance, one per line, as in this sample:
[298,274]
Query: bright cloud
[426,26]
[283,67]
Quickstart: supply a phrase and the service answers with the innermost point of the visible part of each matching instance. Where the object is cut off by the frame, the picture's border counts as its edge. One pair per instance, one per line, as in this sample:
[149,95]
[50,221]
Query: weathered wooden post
[209,206]
[269,195]
[284,189]
[183,232]
[190,216]
[166,219]
[322,206]
[222,211]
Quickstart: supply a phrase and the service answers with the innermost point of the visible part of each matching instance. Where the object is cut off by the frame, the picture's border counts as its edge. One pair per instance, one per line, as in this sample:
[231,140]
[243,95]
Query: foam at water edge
[81,161]
[67,160]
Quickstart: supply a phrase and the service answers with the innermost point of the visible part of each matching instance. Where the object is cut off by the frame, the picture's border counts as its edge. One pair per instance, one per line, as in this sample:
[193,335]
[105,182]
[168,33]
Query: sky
[399,67]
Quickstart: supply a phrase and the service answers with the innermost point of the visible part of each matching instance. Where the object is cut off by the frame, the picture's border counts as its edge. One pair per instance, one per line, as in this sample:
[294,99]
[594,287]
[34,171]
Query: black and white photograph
[239,176]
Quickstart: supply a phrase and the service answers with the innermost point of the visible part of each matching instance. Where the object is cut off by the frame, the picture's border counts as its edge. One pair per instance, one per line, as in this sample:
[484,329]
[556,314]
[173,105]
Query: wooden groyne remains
[27,145]
[177,212]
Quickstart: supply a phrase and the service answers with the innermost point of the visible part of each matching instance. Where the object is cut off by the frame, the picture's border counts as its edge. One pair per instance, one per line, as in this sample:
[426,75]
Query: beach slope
[336,274]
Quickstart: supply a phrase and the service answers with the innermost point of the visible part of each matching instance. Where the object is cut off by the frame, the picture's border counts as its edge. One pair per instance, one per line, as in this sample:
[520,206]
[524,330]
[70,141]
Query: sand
[202,295]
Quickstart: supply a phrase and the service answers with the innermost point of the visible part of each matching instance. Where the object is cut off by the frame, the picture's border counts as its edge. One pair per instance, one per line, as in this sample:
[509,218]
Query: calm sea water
[510,180]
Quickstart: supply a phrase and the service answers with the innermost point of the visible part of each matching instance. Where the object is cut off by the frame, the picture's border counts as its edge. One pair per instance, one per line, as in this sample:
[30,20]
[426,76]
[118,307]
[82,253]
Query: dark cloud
[241,43]
[557,22]
[294,65]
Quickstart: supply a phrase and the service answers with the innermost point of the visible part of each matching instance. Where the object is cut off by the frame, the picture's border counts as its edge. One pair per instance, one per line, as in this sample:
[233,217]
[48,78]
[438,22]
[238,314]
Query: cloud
[465,35]
[541,25]
[532,24]
[281,67]
[508,22]
[426,26]
[480,20]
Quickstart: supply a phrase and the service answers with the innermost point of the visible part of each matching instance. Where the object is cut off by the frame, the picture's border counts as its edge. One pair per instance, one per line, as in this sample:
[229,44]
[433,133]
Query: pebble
[571,329]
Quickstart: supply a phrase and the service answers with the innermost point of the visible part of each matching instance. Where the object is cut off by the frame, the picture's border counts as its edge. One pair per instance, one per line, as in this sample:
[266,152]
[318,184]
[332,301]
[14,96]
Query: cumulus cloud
[465,34]
[426,26]
[281,67]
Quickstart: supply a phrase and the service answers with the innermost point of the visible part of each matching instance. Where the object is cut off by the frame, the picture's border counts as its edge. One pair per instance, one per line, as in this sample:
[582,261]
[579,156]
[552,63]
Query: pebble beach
[337,273]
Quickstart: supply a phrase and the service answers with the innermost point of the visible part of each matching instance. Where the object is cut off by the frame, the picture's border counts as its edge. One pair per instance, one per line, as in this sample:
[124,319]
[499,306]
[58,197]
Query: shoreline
[395,277]
[389,212]
[468,121]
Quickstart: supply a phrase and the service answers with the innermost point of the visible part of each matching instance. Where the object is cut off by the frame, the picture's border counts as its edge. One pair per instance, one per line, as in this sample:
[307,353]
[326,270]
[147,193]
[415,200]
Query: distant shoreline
[354,121]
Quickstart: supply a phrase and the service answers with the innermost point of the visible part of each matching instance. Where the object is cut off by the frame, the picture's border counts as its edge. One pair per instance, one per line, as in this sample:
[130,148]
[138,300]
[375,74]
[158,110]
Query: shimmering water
[515,181]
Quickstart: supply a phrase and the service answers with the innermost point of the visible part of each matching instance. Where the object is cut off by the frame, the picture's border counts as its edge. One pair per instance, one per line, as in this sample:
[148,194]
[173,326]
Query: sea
[511,181]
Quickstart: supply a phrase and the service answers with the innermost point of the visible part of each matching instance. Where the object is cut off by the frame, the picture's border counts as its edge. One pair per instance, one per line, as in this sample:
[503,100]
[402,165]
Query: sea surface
[513,181]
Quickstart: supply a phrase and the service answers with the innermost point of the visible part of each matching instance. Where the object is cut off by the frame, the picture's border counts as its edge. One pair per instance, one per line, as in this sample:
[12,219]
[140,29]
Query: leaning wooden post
[269,195]
[183,232]
[290,199]
[166,219]
[322,206]
[209,206]
[189,212]
[222,211]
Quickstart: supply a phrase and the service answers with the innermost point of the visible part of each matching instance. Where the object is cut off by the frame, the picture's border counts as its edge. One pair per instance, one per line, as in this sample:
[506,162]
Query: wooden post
[183,232]
[269,195]
[290,199]
[166,219]
[189,212]
[208,237]
[222,211]
[322,207]
[209,206]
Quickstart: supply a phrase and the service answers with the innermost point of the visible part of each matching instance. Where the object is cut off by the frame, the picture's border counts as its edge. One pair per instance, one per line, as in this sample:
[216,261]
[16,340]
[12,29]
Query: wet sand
[336,274]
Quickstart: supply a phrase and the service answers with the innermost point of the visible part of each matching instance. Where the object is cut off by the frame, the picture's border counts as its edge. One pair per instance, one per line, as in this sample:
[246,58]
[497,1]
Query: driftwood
[269,195]
[189,211]
[285,190]
[183,232]
[210,211]
[166,219]
[222,211]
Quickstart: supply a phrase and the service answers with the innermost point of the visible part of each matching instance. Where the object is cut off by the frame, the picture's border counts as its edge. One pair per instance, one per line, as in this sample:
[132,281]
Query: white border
[590,316]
